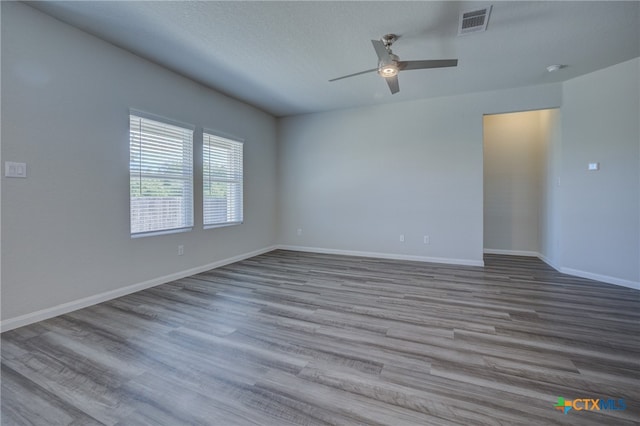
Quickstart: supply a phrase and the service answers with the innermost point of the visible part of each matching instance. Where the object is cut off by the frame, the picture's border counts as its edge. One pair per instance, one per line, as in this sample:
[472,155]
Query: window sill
[221,225]
[164,232]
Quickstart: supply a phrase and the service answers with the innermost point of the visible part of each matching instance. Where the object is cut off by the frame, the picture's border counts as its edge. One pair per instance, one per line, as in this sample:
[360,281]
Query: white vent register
[474,21]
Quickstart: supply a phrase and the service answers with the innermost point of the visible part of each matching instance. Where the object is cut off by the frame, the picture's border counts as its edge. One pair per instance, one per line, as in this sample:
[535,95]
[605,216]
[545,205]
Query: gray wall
[354,180]
[65,229]
[600,210]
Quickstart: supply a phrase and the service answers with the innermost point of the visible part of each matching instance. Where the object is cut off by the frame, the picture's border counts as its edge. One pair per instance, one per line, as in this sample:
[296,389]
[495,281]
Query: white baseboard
[604,278]
[394,256]
[540,256]
[22,320]
[11,323]
[548,261]
[569,271]
[512,252]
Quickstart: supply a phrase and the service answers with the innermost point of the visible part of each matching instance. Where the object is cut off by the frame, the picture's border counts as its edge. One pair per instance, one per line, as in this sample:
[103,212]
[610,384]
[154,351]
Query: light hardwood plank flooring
[297,338]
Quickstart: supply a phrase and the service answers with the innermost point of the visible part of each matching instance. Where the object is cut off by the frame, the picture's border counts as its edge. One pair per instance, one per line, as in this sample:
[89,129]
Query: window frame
[209,135]
[187,173]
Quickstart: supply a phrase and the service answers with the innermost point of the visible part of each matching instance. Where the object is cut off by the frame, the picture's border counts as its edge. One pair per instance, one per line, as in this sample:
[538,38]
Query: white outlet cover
[594,166]
[16,170]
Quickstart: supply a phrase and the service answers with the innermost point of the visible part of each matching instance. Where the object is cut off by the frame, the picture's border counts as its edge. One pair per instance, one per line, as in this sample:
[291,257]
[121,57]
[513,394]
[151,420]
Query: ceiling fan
[389,65]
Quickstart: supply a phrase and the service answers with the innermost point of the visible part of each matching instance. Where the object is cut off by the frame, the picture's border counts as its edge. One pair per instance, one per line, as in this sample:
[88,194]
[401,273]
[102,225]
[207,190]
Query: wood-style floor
[297,338]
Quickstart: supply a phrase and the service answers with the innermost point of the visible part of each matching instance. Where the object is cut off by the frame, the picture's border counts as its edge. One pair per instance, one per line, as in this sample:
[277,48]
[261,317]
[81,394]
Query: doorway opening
[520,153]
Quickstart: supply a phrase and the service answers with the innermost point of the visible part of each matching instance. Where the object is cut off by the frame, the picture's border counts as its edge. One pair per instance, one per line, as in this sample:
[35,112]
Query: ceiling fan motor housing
[388,40]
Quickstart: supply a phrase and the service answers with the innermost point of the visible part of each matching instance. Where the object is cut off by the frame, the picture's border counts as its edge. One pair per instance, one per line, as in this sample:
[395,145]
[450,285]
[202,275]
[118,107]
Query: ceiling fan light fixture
[388,70]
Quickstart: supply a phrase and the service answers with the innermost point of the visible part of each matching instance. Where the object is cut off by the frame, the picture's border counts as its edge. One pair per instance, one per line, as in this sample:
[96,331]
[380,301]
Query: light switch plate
[594,166]
[16,170]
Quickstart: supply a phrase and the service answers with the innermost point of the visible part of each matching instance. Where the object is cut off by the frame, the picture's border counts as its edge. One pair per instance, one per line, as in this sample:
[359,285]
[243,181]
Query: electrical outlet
[299,232]
[402,238]
[426,239]
[180,250]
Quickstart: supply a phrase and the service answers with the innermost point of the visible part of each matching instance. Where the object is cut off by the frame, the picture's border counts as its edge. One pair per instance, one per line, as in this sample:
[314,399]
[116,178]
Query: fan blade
[352,75]
[434,63]
[393,84]
[381,51]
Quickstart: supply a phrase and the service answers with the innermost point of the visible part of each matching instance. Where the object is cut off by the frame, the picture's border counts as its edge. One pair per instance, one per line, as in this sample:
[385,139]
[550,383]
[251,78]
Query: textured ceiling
[279,56]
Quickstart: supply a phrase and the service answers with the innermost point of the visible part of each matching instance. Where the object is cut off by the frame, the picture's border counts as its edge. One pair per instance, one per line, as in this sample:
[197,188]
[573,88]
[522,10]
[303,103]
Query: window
[161,176]
[221,181]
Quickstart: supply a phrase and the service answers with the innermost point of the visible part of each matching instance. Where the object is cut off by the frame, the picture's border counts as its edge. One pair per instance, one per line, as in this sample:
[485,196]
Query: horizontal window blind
[161,176]
[222,180]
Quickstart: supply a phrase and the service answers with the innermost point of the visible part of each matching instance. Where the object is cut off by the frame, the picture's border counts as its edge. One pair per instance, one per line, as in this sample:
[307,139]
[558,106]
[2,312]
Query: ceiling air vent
[474,21]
